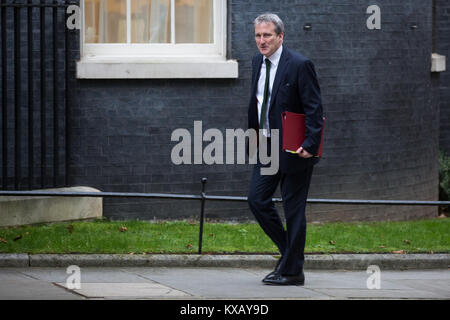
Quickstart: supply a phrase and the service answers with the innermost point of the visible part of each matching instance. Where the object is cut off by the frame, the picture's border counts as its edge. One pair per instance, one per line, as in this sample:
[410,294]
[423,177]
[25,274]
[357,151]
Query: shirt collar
[275,57]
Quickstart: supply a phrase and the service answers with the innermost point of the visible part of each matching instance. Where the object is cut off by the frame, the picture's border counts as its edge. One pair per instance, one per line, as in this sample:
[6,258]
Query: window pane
[150,21]
[194,21]
[105,21]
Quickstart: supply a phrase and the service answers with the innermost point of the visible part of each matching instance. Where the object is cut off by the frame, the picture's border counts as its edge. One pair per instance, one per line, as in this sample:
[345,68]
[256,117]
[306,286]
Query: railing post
[202,215]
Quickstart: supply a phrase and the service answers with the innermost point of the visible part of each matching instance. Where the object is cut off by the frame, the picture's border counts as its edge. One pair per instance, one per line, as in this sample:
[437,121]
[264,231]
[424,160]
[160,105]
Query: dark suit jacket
[295,89]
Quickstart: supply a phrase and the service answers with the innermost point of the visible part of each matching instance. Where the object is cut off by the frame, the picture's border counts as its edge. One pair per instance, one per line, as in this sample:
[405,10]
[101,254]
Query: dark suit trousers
[294,191]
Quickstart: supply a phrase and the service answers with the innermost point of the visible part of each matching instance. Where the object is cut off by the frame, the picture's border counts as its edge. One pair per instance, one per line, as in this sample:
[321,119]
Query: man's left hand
[302,153]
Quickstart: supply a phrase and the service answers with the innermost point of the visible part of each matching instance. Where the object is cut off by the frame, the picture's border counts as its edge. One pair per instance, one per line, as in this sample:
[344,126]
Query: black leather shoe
[275,272]
[280,280]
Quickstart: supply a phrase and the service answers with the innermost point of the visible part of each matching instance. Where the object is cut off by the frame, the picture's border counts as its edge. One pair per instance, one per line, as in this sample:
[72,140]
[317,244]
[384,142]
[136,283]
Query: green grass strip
[103,236]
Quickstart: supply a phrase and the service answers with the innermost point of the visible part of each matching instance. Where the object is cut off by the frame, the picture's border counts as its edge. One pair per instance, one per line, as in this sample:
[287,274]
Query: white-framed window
[154,39]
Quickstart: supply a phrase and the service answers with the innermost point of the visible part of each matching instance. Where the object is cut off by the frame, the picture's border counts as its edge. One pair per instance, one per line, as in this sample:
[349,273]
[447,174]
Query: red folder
[294,131]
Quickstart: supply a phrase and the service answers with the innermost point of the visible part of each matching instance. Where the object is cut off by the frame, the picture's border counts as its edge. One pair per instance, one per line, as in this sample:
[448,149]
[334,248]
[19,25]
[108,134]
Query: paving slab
[17,286]
[225,283]
[379,294]
[347,280]
[87,275]
[439,287]
[119,290]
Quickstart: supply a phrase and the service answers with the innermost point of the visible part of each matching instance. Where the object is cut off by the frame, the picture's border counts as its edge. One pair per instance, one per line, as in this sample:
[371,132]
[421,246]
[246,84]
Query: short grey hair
[270,17]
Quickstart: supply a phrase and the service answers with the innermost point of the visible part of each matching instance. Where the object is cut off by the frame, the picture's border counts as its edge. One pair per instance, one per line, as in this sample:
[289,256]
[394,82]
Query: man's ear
[281,35]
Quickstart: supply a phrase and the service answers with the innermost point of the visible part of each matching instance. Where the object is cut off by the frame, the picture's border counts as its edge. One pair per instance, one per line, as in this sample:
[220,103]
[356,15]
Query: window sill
[155,68]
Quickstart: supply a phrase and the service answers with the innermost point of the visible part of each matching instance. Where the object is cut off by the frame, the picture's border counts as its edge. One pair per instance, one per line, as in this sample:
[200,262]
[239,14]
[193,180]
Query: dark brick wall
[382,120]
[442,43]
[382,129]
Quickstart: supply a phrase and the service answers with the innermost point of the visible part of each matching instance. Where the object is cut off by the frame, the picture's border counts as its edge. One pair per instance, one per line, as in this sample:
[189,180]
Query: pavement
[200,277]
[217,283]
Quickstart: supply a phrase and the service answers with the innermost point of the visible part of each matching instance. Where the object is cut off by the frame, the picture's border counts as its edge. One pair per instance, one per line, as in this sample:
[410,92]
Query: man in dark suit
[283,80]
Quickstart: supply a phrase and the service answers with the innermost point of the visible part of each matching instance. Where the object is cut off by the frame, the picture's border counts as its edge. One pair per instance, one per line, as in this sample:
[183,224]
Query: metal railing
[203,197]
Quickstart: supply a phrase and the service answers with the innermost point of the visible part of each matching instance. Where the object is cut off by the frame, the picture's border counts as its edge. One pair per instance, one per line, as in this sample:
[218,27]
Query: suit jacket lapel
[281,70]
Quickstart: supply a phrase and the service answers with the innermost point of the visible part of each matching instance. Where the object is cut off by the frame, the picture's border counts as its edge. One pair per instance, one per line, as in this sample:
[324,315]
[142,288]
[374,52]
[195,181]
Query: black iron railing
[35,94]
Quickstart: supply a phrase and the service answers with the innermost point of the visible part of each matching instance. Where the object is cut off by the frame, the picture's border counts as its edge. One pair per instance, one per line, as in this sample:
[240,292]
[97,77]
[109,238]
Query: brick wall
[443,47]
[382,119]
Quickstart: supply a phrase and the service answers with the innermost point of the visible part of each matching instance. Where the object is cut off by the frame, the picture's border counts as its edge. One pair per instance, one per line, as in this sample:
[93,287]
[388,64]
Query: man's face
[266,39]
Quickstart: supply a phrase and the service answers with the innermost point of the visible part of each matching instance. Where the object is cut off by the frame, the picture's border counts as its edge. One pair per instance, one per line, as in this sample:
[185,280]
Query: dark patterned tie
[262,120]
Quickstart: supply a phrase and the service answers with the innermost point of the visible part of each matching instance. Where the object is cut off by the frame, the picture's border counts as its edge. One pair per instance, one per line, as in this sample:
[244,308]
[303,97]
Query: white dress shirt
[274,60]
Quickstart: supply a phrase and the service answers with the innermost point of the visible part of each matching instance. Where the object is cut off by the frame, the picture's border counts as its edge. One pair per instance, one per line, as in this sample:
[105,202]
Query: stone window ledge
[155,68]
